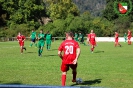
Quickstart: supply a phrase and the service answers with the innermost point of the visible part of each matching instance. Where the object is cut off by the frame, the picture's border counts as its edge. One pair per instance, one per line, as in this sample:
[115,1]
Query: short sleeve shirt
[69,48]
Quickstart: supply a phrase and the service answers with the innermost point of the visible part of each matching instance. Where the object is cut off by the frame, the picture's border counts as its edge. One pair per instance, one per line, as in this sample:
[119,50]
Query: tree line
[59,16]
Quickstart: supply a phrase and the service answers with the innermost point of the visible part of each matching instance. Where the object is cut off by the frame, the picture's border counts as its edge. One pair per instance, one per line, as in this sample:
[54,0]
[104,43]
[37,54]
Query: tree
[59,9]
[109,12]
[22,11]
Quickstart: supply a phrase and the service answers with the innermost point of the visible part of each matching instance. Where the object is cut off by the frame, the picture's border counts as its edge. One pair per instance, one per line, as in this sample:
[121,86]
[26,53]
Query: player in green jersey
[81,38]
[125,37]
[76,36]
[33,38]
[41,42]
[48,40]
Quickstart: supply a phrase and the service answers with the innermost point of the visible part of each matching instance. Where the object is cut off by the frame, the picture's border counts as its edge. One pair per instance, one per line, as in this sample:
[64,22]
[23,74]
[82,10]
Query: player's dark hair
[47,32]
[41,30]
[70,34]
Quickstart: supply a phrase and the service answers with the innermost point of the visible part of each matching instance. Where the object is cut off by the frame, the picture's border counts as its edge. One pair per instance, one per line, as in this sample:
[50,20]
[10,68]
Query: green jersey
[125,35]
[76,36]
[81,36]
[48,37]
[41,36]
[33,35]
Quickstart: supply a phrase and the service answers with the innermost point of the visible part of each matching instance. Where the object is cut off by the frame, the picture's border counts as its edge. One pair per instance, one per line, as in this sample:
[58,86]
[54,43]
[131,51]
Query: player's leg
[39,47]
[35,43]
[74,72]
[31,43]
[79,40]
[63,78]
[21,49]
[130,40]
[23,46]
[92,49]
[92,46]
[64,69]
[116,43]
[83,42]
[49,44]
[125,40]
[41,50]
[119,44]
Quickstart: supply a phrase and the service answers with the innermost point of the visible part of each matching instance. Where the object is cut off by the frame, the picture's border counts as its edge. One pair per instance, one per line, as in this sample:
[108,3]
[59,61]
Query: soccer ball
[79,81]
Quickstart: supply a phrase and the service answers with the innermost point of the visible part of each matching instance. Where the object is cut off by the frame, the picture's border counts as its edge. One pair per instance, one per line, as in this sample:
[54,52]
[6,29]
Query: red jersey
[69,48]
[129,33]
[88,35]
[92,36]
[20,38]
[116,36]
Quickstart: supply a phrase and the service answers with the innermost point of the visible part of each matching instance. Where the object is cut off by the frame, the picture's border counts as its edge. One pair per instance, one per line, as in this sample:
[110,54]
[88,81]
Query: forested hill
[95,7]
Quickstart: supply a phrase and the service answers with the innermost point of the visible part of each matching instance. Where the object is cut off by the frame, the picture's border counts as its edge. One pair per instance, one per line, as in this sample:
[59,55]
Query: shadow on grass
[89,82]
[31,52]
[53,50]
[13,83]
[99,52]
[49,55]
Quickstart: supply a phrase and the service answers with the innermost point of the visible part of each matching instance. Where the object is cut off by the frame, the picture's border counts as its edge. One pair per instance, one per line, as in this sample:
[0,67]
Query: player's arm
[30,36]
[60,49]
[24,38]
[96,39]
[77,56]
[51,37]
[17,39]
[88,38]
[60,54]
[39,37]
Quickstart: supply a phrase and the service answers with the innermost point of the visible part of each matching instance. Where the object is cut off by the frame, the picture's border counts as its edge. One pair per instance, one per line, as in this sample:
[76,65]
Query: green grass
[108,66]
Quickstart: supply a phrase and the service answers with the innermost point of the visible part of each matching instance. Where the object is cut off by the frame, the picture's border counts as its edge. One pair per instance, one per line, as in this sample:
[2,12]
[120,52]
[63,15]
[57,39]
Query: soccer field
[108,66]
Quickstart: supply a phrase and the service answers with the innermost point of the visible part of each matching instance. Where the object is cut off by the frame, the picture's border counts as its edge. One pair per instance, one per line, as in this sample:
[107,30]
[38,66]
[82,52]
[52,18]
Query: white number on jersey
[69,50]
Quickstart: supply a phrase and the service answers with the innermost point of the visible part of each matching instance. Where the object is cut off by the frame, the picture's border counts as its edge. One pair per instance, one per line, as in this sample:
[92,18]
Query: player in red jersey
[92,40]
[21,39]
[129,35]
[116,39]
[71,52]
[88,39]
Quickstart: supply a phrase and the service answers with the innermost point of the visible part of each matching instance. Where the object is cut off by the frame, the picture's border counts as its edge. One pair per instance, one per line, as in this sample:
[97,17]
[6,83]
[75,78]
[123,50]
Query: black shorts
[33,40]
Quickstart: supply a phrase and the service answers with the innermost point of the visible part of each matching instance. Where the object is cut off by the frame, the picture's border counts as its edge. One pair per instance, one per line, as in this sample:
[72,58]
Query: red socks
[129,42]
[63,80]
[92,49]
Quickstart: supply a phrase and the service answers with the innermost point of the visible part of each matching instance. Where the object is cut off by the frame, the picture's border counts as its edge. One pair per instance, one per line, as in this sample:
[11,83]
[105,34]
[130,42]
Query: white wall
[110,39]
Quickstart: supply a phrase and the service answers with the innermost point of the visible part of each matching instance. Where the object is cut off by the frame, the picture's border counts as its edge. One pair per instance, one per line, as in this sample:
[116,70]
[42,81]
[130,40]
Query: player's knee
[64,73]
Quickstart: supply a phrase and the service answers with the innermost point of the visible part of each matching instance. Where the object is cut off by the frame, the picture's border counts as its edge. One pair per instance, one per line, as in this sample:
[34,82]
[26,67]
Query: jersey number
[69,49]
